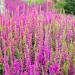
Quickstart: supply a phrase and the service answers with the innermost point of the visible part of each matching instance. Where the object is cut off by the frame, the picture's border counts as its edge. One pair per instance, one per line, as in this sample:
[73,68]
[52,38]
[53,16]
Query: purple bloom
[54,68]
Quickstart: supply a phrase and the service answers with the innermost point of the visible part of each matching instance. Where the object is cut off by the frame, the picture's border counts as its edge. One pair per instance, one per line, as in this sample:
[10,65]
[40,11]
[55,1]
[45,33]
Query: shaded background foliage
[67,5]
[70,6]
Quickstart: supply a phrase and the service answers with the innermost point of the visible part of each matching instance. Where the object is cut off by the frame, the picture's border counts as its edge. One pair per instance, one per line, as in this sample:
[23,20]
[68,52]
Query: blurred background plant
[67,5]
[34,1]
[62,6]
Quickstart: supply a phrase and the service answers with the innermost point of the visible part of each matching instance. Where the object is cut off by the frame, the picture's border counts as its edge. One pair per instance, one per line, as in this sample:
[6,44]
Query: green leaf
[71,47]
[65,68]
[8,51]
[1,69]
[38,1]
[35,1]
[16,54]
[1,66]
[9,61]
[73,58]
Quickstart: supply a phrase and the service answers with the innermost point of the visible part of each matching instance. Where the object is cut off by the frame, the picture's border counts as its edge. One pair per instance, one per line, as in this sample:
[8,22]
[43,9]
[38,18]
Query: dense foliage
[70,6]
[67,5]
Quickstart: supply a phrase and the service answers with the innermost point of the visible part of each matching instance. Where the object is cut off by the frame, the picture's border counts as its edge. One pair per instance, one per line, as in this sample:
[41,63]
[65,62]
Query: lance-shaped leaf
[71,47]
[1,69]
[73,58]
[65,68]
[16,54]
[7,51]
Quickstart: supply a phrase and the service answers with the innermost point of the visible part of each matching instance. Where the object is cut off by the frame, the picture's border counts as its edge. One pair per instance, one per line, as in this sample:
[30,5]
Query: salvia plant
[36,41]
